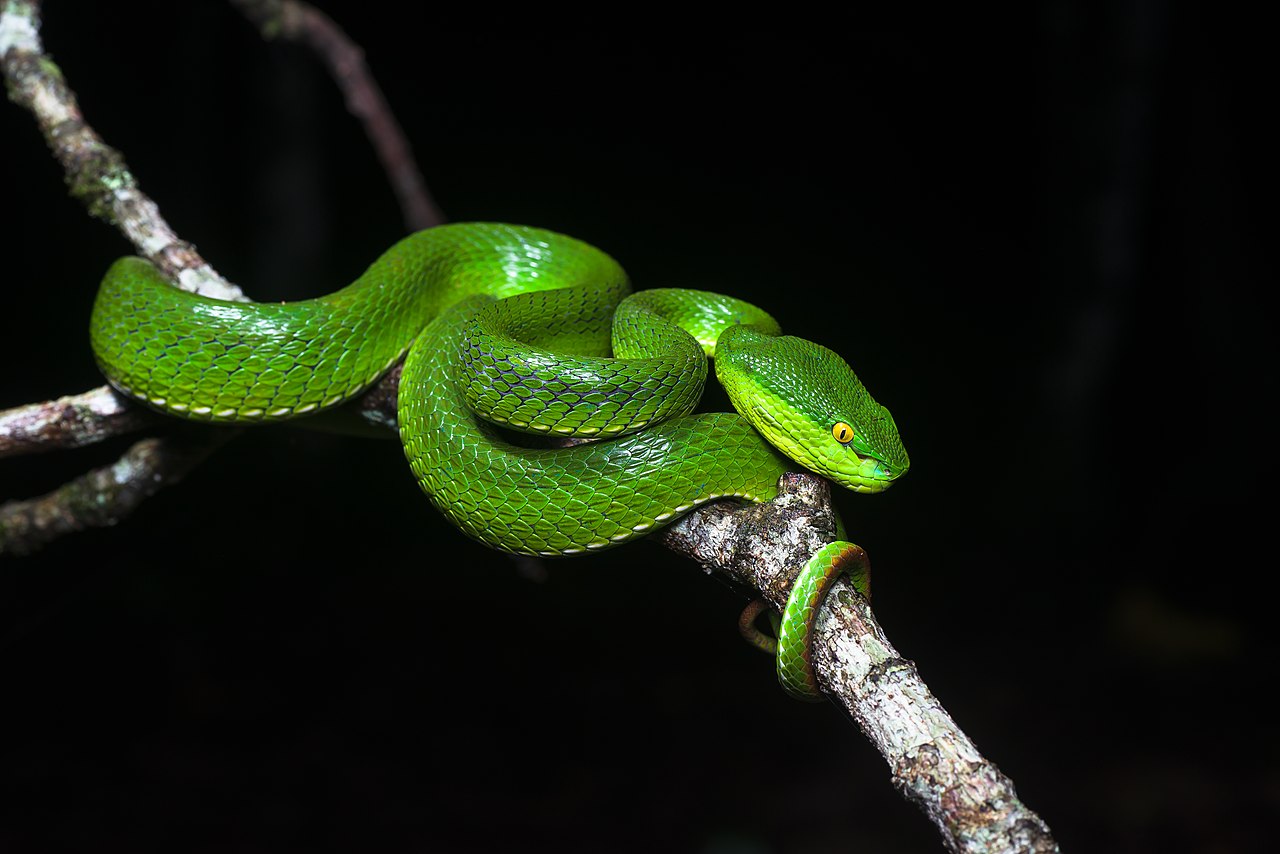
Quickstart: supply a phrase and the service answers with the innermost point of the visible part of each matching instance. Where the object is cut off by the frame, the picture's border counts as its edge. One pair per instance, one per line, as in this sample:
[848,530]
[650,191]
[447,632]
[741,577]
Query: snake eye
[842,432]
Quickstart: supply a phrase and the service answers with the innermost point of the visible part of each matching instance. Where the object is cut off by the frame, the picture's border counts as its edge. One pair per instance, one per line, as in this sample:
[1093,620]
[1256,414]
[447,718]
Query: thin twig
[299,21]
[104,496]
[102,413]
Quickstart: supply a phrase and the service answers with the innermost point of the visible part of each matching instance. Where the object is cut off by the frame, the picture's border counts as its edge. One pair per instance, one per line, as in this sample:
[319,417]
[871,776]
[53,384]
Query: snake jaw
[863,473]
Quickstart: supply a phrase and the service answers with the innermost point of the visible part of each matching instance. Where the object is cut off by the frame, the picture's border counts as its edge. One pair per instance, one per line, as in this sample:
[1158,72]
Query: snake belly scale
[510,328]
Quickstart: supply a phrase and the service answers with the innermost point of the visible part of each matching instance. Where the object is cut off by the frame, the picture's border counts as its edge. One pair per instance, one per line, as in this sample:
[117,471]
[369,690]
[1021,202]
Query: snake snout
[868,474]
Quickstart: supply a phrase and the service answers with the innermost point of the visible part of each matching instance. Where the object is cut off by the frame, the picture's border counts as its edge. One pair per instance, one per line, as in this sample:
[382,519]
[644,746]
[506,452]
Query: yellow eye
[843,432]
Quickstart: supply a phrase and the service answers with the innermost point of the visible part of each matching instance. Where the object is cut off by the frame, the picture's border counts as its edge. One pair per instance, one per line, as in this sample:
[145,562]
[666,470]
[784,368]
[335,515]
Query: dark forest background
[1040,239]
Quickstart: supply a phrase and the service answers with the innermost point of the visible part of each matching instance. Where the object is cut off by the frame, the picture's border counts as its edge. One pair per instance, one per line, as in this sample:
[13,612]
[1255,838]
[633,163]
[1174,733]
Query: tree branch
[933,763]
[70,422]
[106,495]
[96,173]
[301,22]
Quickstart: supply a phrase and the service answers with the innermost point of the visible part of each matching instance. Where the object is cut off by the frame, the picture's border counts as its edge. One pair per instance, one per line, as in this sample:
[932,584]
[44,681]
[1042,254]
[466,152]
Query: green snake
[509,328]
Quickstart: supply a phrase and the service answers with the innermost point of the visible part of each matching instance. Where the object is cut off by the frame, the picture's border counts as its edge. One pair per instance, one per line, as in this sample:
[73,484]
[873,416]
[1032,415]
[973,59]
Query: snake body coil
[527,330]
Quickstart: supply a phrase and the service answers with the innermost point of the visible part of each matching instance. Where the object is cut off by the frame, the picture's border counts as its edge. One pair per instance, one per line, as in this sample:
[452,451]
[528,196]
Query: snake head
[807,401]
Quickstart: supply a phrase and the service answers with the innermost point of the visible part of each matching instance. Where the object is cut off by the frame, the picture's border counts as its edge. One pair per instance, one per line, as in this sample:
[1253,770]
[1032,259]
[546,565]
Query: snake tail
[795,637]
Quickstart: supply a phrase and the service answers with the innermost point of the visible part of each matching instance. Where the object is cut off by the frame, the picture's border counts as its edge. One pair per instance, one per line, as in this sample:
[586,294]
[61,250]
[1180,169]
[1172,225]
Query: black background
[1040,240]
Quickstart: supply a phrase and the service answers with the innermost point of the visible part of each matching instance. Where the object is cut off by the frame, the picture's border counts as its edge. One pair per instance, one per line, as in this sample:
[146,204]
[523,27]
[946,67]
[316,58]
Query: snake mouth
[883,470]
[872,474]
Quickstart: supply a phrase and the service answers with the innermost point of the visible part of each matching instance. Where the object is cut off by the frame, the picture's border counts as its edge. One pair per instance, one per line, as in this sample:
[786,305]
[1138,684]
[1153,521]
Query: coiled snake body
[532,331]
